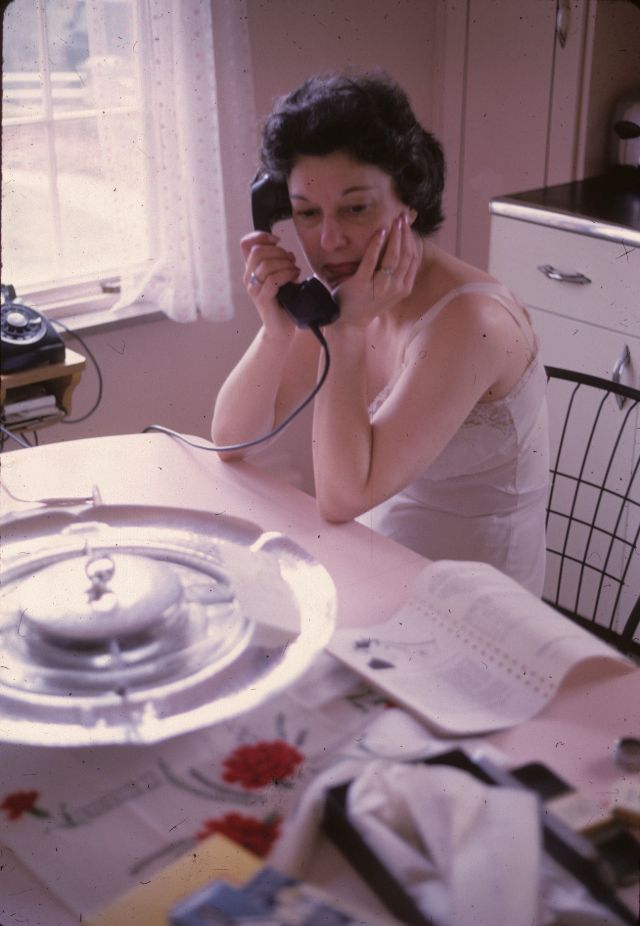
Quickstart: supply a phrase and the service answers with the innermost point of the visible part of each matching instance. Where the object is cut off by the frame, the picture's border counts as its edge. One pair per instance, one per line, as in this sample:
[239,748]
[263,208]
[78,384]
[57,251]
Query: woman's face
[338,204]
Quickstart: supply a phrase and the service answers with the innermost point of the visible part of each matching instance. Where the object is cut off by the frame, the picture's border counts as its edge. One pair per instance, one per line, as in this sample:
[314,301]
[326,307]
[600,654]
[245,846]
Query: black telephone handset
[310,304]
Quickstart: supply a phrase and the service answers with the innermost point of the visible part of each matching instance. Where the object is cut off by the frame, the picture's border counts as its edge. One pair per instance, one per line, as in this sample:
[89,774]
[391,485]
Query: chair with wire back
[593,509]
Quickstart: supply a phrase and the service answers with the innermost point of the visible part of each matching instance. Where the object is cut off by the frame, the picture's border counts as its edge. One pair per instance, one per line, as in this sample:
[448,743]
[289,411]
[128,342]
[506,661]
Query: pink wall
[161,372]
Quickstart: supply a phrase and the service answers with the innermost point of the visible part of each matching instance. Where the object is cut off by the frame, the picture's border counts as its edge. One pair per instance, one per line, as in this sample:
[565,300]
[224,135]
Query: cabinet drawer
[611,299]
[586,348]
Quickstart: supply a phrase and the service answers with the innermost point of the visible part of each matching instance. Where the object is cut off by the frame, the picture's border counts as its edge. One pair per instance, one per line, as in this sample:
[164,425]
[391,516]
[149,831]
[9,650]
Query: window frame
[82,300]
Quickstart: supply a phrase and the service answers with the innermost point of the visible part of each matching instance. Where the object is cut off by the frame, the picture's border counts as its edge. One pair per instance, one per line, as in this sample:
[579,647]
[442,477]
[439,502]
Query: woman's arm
[279,368]
[271,379]
[359,463]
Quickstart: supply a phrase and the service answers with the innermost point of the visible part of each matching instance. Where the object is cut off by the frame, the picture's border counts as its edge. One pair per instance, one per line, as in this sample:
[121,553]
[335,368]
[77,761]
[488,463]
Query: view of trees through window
[65,106]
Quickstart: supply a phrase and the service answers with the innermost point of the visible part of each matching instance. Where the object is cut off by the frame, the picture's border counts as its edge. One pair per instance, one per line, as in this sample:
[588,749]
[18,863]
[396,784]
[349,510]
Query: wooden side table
[57,379]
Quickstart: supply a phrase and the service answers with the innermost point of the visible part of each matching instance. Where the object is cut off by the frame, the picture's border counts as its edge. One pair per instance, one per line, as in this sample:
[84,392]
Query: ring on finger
[254,280]
[387,271]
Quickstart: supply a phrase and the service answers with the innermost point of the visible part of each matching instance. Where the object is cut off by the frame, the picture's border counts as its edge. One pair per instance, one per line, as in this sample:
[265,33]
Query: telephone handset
[310,304]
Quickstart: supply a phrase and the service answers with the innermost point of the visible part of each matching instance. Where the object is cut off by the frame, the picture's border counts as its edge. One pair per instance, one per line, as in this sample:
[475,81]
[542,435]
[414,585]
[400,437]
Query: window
[113,152]
[59,213]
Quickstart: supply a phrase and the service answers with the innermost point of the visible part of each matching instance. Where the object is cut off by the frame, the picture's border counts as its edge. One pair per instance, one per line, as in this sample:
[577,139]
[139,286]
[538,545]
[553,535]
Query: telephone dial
[28,338]
[310,304]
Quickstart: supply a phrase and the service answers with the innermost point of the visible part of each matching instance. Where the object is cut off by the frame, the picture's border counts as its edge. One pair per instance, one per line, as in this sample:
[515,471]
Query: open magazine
[471,651]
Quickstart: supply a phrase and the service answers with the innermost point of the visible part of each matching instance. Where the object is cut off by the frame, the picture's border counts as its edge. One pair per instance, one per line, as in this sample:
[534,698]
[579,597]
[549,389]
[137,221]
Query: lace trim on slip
[496,416]
[383,395]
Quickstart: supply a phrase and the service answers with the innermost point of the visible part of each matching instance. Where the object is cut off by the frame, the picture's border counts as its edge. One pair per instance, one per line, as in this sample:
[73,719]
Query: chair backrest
[593,509]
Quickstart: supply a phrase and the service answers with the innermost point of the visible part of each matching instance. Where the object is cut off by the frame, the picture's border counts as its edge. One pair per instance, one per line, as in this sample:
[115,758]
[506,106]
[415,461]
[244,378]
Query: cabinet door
[507,107]
[578,345]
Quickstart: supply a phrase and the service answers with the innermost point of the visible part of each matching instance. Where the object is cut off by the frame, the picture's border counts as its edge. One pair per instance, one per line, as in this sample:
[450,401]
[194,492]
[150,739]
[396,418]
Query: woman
[431,425]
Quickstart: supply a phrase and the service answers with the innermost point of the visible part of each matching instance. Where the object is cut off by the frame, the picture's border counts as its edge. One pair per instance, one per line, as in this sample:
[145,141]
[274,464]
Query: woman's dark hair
[368,117]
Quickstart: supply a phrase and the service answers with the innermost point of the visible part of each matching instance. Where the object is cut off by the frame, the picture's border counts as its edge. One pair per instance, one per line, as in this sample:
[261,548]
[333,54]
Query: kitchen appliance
[625,132]
[133,624]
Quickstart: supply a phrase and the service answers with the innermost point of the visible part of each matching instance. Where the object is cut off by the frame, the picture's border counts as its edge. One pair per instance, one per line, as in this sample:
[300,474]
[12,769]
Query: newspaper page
[471,651]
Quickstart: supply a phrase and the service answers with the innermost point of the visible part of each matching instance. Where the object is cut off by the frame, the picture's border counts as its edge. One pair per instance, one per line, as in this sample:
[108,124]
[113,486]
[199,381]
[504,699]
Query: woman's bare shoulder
[442,276]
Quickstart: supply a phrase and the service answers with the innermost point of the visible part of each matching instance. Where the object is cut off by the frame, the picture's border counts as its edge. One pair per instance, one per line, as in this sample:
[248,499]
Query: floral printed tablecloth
[91,823]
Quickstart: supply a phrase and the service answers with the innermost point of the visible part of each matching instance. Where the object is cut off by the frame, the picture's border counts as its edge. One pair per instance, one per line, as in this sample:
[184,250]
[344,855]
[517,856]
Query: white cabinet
[585,303]
[583,293]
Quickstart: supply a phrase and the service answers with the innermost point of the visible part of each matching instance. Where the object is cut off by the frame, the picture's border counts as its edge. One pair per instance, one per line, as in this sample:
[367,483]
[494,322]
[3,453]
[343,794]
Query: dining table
[576,733]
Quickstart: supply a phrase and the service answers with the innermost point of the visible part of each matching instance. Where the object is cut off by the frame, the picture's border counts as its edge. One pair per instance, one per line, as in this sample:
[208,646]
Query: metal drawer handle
[562,22]
[553,274]
[616,375]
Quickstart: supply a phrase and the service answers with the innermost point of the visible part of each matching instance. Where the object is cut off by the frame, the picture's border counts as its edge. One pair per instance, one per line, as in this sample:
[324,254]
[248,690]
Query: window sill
[86,304]
[94,320]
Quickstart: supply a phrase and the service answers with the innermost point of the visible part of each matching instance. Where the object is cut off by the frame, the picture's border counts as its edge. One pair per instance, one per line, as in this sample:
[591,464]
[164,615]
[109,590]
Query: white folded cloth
[467,853]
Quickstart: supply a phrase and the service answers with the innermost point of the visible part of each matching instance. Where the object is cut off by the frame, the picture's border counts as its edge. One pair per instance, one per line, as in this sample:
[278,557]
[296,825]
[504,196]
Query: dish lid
[134,624]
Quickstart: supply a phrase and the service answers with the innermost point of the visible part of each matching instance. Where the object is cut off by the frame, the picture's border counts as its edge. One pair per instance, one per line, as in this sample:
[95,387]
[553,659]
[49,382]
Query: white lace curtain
[180,172]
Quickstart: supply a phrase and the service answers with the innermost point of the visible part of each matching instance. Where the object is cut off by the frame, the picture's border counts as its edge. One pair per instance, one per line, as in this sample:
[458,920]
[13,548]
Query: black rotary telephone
[28,338]
[310,304]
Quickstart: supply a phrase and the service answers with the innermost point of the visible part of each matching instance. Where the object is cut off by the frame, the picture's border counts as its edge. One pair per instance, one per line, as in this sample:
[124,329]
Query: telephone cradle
[28,338]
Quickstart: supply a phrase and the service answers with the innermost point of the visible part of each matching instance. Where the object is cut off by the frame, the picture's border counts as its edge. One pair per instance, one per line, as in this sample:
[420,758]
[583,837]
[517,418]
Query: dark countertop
[607,206]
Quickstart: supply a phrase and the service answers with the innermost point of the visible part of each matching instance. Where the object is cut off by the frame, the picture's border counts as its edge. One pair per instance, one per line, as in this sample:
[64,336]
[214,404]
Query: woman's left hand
[385,276]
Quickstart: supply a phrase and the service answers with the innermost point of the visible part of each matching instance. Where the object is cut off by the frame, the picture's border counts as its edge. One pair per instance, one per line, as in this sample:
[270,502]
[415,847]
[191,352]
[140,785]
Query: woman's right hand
[268,267]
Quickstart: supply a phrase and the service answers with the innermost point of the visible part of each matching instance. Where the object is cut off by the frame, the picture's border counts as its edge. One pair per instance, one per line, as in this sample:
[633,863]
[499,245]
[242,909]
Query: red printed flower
[262,764]
[21,802]
[255,835]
